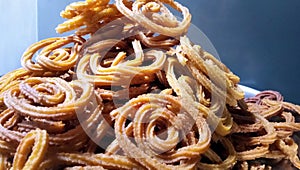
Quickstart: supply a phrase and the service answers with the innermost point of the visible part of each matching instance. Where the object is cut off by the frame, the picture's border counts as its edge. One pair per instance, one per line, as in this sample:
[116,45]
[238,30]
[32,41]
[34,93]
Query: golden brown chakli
[130,91]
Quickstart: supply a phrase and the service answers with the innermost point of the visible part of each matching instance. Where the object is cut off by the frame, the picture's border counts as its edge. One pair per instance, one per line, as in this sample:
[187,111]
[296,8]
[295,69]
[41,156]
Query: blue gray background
[257,39]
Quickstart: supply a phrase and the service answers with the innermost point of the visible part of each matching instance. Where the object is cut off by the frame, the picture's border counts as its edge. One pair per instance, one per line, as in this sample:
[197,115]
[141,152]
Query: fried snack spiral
[268,94]
[147,14]
[8,80]
[183,86]
[87,16]
[54,56]
[266,131]
[261,143]
[74,8]
[46,102]
[59,100]
[136,93]
[75,138]
[213,156]
[209,72]
[160,41]
[96,126]
[270,105]
[39,139]
[290,149]
[154,112]
[120,70]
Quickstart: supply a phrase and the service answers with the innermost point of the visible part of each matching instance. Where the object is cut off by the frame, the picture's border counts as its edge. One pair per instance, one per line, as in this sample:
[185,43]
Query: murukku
[213,76]
[89,14]
[38,141]
[54,56]
[218,162]
[9,79]
[160,41]
[59,100]
[290,149]
[121,70]
[276,128]
[183,87]
[81,6]
[136,93]
[146,14]
[151,114]
[75,138]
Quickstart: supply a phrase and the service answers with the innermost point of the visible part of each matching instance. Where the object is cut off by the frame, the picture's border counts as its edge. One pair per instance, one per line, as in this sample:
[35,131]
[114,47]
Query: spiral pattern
[148,114]
[87,16]
[136,93]
[54,56]
[216,158]
[146,14]
[54,111]
[59,99]
[266,130]
[120,70]
[210,73]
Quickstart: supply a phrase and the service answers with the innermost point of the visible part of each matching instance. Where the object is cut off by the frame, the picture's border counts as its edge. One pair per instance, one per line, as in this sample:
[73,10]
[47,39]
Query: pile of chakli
[128,90]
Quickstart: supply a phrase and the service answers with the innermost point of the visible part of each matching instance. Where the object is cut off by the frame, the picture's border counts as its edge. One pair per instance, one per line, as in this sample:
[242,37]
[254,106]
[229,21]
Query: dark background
[257,39]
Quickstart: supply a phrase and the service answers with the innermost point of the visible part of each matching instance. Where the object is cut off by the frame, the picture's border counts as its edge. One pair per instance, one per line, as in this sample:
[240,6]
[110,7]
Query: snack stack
[127,89]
